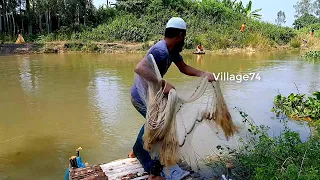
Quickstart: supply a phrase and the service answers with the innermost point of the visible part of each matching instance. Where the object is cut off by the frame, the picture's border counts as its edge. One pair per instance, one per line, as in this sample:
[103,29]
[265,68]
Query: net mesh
[173,118]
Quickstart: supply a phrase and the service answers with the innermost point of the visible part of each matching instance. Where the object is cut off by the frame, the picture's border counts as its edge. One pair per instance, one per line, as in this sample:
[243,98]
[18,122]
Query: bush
[210,22]
[307,30]
[295,43]
[265,157]
[123,28]
[305,20]
[299,106]
[312,56]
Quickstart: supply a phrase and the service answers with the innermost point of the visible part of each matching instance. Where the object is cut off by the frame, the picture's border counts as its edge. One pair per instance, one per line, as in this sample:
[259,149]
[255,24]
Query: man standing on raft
[164,52]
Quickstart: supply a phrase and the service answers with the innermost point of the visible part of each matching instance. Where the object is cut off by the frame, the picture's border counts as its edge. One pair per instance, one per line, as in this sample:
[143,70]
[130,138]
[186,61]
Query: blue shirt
[163,59]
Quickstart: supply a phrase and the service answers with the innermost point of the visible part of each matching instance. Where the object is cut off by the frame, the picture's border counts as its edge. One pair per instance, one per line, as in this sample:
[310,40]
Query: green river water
[52,104]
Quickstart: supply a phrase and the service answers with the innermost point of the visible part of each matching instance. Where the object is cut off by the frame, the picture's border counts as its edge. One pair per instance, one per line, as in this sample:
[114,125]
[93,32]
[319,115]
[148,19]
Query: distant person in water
[199,48]
[20,39]
[243,26]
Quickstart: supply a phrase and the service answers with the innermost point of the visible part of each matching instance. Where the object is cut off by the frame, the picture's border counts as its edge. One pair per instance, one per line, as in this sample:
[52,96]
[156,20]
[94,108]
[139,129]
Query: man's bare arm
[188,70]
[144,69]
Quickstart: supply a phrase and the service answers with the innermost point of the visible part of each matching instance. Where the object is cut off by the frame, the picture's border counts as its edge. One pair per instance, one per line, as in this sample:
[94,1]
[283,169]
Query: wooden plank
[88,173]
[121,163]
[124,167]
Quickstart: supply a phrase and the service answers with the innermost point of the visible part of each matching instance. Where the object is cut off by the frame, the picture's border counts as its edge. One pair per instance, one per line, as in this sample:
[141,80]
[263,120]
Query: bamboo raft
[123,169]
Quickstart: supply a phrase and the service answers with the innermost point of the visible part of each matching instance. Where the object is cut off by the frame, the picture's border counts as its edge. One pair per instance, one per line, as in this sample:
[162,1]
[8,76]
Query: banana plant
[252,14]
[239,7]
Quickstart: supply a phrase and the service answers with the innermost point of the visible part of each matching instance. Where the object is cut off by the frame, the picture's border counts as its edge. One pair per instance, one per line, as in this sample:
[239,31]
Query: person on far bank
[243,27]
[165,52]
[20,39]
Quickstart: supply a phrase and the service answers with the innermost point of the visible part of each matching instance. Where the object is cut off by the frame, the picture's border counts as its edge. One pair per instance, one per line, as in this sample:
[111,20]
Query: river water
[52,104]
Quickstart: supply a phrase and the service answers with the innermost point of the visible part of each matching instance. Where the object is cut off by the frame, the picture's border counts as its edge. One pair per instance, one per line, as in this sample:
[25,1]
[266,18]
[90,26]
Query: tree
[133,6]
[303,7]
[39,16]
[238,7]
[252,14]
[281,18]
[29,16]
[305,20]
[316,7]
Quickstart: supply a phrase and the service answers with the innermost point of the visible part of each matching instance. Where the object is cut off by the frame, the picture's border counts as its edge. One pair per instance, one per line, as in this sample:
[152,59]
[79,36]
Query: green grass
[209,22]
[312,55]
[213,36]
[308,29]
[262,156]
[295,42]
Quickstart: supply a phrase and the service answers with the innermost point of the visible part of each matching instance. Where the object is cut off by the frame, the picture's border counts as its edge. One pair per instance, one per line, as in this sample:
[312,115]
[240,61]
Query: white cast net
[172,119]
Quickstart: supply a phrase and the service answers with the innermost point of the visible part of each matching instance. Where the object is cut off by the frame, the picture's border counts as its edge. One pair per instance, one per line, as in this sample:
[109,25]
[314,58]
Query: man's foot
[175,173]
[131,154]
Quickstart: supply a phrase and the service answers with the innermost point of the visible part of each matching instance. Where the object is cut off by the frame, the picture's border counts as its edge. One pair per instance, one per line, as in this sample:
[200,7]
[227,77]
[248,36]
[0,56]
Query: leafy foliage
[296,42]
[247,10]
[312,54]
[281,18]
[298,106]
[308,29]
[303,7]
[214,23]
[316,5]
[219,29]
[264,157]
[305,20]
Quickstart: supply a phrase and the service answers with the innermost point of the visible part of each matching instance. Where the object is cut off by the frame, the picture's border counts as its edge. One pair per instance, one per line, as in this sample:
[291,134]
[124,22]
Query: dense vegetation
[298,106]
[262,156]
[214,23]
[313,56]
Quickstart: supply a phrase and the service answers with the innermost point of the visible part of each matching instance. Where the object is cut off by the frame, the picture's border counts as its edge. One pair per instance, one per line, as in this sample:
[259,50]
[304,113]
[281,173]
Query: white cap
[176,22]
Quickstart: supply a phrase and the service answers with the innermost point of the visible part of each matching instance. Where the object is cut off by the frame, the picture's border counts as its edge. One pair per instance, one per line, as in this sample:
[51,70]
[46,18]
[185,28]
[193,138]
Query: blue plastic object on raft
[80,165]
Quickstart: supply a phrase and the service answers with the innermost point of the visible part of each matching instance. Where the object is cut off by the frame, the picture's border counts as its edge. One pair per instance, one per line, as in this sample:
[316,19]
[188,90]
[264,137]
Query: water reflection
[106,96]
[29,81]
[110,105]
[199,59]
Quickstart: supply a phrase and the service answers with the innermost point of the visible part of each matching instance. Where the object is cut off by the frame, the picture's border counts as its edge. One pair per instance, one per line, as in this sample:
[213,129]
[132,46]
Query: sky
[270,8]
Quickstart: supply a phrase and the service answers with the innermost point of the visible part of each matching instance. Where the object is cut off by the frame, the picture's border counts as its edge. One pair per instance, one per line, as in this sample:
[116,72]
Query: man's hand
[210,76]
[167,87]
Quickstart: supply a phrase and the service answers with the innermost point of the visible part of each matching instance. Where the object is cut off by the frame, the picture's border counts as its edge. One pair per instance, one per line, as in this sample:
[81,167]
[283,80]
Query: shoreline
[61,47]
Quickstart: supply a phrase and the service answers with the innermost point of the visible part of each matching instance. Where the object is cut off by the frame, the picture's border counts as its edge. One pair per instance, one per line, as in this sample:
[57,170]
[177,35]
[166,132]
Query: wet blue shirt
[163,59]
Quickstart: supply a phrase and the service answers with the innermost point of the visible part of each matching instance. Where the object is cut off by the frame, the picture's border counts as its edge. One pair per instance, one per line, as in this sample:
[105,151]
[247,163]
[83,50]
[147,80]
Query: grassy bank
[287,156]
[266,157]
[215,24]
